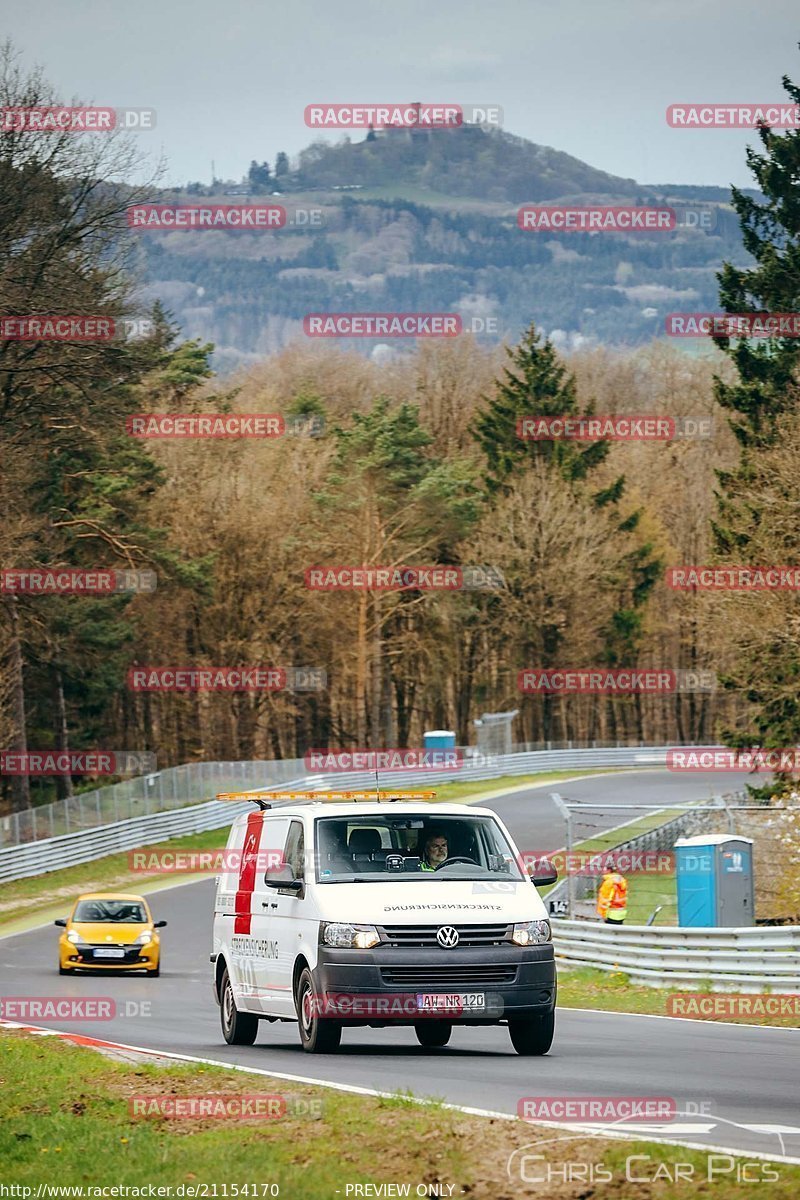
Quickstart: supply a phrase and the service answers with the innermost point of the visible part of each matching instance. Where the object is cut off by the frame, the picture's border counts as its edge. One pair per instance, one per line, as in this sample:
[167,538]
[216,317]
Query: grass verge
[588,987]
[65,1119]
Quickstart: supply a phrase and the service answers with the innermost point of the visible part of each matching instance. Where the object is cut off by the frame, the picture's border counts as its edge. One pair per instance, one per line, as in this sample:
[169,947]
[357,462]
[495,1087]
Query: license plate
[109,952]
[452,1001]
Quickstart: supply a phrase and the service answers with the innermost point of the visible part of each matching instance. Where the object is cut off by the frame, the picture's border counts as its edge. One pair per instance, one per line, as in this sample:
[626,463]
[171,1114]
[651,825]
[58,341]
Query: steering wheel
[457,858]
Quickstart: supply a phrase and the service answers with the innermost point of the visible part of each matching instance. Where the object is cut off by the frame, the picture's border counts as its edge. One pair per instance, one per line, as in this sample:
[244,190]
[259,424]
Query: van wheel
[318,1035]
[532,1035]
[433,1034]
[238,1028]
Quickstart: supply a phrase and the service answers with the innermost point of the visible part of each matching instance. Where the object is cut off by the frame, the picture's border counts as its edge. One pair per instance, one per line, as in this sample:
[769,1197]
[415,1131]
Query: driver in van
[434,851]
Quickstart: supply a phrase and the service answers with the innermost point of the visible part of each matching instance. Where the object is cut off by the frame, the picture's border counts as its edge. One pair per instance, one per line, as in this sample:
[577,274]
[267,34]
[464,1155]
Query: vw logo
[447,937]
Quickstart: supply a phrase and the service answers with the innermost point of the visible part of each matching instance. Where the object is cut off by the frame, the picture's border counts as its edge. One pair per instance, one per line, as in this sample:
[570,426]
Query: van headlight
[348,937]
[532,933]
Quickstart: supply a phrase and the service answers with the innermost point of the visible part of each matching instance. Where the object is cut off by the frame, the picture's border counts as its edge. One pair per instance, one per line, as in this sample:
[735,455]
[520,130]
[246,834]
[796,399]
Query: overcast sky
[230,78]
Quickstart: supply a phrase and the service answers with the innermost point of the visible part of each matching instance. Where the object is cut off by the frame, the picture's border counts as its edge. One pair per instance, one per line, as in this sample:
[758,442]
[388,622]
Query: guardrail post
[567,815]
[729,815]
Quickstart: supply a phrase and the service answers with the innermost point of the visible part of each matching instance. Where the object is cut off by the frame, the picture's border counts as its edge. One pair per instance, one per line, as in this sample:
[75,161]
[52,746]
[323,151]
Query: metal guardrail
[161,791]
[745,960]
[177,787]
[34,857]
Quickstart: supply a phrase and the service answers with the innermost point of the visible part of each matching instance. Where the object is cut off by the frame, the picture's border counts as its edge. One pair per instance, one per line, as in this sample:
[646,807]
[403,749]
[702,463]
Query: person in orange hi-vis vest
[612,898]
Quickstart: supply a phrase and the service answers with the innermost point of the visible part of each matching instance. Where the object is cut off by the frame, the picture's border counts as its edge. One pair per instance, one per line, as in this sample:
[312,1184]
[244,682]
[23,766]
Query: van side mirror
[159,924]
[62,921]
[543,874]
[282,877]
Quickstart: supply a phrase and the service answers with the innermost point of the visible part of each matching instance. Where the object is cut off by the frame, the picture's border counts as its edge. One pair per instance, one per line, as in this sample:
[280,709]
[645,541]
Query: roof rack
[267,799]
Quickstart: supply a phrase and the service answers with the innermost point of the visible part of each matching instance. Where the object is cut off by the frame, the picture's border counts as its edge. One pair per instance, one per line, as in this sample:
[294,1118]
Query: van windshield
[378,848]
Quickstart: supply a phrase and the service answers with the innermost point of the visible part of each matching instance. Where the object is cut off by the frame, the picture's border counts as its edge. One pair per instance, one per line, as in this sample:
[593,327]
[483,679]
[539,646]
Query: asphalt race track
[739,1085]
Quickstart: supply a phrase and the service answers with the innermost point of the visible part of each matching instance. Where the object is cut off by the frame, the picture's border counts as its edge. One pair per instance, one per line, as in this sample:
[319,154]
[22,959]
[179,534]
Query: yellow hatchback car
[109,930]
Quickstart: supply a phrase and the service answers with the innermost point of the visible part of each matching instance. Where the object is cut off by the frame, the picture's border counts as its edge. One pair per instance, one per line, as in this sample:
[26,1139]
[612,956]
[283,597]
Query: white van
[344,914]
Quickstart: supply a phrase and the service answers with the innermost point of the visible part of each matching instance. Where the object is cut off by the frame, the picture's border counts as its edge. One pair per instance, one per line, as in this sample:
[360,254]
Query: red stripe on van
[247,873]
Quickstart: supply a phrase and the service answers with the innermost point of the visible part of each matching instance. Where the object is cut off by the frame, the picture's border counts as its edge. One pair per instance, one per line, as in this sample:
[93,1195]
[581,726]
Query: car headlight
[74,937]
[350,937]
[531,933]
[143,938]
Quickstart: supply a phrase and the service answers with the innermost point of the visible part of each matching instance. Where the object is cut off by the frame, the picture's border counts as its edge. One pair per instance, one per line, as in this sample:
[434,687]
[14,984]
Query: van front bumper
[382,985]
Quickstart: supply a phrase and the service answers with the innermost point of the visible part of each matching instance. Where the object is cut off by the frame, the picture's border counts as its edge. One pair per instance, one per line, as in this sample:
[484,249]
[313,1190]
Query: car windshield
[378,848]
[102,911]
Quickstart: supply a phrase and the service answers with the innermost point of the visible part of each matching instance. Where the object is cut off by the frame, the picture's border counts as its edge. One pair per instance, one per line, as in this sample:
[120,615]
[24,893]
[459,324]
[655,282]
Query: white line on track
[612,1012]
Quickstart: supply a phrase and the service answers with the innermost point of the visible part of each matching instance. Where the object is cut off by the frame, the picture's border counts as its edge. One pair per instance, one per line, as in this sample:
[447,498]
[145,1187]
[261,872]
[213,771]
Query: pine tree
[761,400]
[771,234]
[537,384]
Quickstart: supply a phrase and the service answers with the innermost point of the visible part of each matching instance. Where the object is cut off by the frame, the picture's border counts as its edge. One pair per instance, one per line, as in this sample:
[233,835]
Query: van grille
[425,935]
[447,976]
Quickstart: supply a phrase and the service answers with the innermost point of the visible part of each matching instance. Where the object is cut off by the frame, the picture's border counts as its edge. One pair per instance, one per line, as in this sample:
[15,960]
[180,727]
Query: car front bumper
[136,958]
[381,986]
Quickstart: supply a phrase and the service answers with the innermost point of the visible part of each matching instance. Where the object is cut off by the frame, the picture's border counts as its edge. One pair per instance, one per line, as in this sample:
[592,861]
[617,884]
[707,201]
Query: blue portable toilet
[439,739]
[714,877]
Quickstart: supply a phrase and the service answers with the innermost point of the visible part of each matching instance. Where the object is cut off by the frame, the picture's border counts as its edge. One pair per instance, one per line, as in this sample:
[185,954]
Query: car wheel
[238,1028]
[532,1035]
[433,1034]
[157,970]
[318,1035]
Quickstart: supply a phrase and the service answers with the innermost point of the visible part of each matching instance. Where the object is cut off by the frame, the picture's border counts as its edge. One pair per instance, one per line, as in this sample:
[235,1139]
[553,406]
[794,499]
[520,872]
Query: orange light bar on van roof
[289,797]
